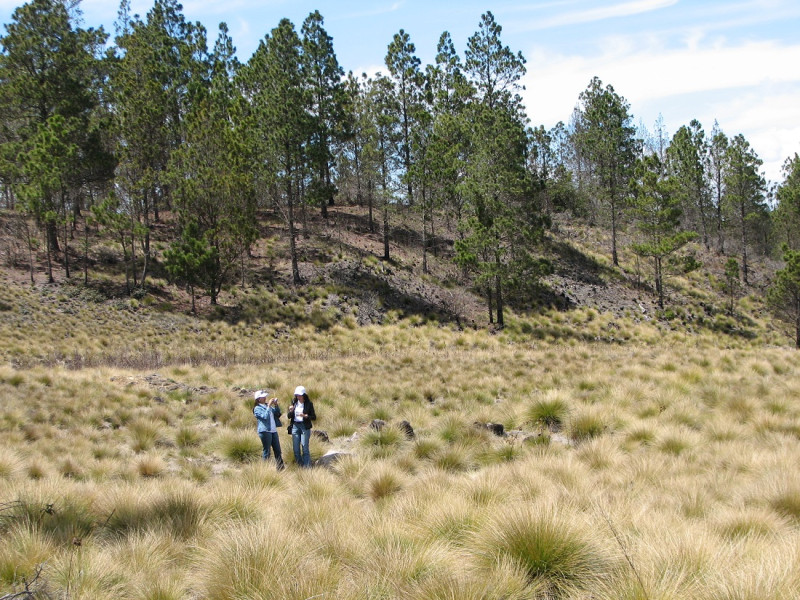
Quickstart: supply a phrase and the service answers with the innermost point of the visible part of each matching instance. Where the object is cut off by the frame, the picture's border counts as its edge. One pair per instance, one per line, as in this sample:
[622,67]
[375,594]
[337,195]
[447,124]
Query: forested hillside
[166,155]
[547,364]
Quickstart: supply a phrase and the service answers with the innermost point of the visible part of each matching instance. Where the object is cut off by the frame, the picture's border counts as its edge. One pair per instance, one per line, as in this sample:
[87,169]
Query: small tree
[191,259]
[784,294]
[657,212]
[731,281]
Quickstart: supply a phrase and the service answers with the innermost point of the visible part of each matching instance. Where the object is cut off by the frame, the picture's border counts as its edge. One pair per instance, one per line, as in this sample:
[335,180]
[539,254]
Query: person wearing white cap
[301,413]
[268,413]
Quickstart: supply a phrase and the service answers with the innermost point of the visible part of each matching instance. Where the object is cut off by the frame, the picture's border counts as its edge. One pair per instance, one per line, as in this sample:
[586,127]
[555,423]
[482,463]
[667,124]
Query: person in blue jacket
[268,413]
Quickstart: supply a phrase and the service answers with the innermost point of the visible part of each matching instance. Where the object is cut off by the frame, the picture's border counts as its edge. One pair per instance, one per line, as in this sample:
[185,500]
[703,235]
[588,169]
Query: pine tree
[273,82]
[686,163]
[159,69]
[51,144]
[405,73]
[323,78]
[606,138]
[657,212]
[784,294]
[744,194]
[502,224]
[787,213]
[212,188]
[716,166]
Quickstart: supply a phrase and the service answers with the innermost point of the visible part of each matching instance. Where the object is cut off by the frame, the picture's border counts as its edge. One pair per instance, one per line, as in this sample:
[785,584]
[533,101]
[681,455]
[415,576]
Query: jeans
[270,440]
[301,437]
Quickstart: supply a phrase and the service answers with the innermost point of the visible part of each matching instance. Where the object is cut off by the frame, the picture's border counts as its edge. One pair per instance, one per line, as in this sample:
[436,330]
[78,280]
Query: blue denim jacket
[261,412]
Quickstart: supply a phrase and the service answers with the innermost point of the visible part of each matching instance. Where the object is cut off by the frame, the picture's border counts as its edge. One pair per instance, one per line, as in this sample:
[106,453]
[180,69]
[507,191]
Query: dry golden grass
[661,468]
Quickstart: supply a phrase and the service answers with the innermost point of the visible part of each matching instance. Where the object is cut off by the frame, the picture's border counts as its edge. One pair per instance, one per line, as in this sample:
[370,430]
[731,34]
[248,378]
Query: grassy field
[637,463]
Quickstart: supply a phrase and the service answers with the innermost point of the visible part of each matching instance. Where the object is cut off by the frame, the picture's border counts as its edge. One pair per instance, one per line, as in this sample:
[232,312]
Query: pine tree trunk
[66,250]
[49,258]
[292,233]
[424,235]
[370,198]
[499,293]
[744,246]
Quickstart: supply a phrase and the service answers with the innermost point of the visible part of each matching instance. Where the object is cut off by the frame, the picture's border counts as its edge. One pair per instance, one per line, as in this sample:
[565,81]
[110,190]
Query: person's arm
[310,412]
[260,411]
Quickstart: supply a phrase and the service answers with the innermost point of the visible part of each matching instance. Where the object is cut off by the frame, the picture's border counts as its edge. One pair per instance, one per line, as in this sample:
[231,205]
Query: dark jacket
[309,410]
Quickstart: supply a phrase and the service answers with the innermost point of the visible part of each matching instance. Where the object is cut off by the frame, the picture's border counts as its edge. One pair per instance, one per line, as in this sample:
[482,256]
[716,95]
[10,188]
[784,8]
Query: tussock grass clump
[387,437]
[455,458]
[551,412]
[426,448]
[674,445]
[268,560]
[585,426]
[641,436]
[71,468]
[748,524]
[240,446]
[384,482]
[23,550]
[58,516]
[150,465]
[144,434]
[10,463]
[787,503]
[187,437]
[556,555]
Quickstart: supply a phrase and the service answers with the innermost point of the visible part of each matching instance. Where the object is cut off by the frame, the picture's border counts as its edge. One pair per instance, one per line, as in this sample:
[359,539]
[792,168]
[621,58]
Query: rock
[560,439]
[321,435]
[407,429]
[496,428]
[330,458]
[377,424]
[526,437]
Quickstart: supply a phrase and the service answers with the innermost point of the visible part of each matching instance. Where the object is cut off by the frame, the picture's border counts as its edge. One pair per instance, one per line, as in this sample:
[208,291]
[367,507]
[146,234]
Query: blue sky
[734,61]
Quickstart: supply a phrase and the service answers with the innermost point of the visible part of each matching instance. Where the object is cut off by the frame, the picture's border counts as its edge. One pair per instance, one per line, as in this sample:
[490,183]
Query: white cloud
[375,11]
[602,13]
[747,87]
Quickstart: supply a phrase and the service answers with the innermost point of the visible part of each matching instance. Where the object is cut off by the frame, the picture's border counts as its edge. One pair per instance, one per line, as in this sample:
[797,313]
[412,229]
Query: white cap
[299,391]
[260,394]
